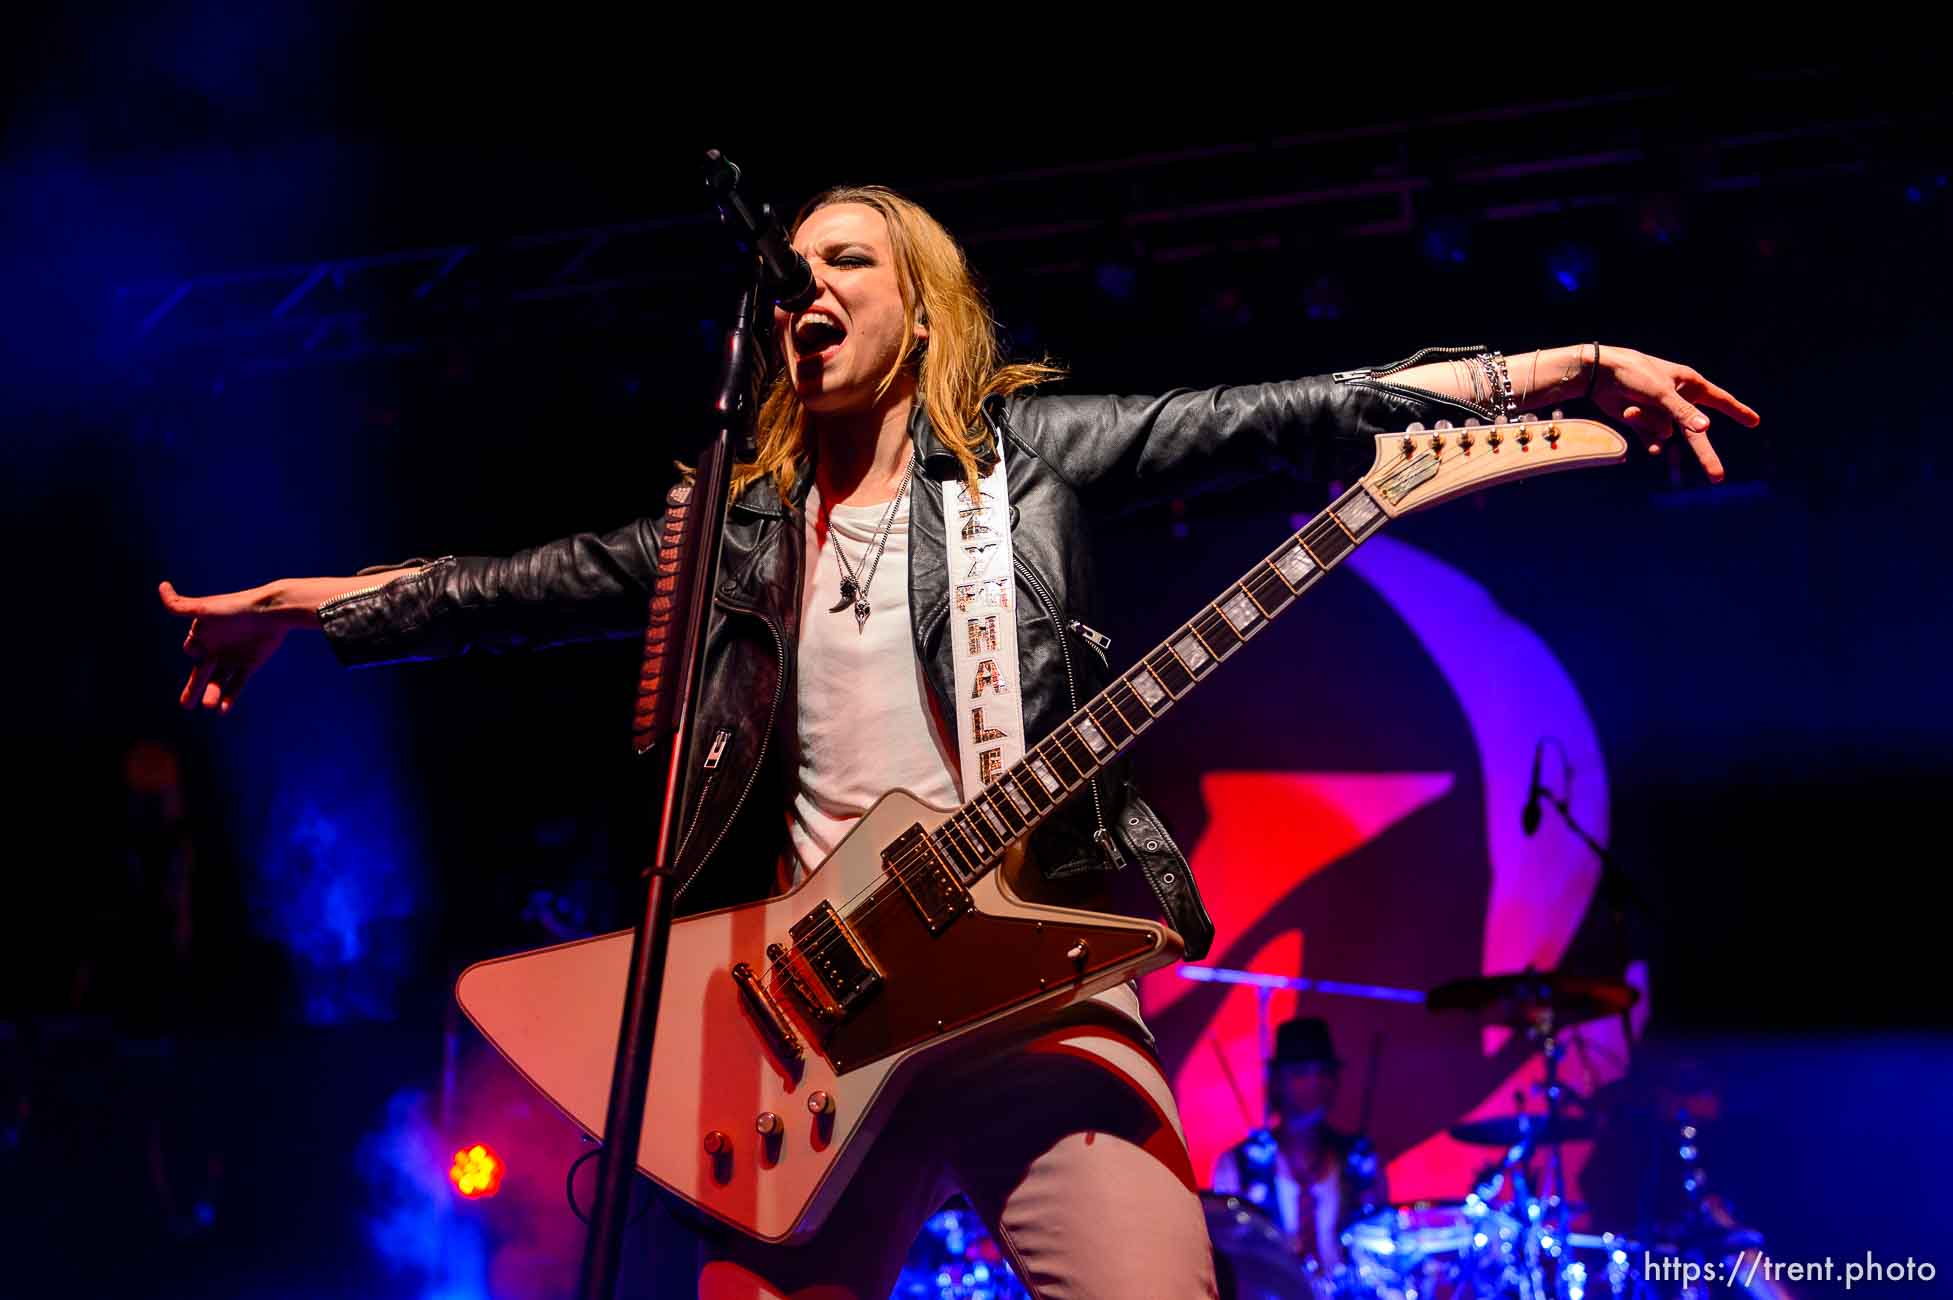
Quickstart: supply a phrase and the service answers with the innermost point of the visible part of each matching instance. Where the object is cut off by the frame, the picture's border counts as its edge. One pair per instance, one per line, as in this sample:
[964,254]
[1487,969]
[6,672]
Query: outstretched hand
[230,637]
[1657,397]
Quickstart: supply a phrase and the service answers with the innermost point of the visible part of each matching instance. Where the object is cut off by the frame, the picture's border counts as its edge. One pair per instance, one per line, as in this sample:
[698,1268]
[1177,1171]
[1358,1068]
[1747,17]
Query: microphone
[787,280]
[1529,817]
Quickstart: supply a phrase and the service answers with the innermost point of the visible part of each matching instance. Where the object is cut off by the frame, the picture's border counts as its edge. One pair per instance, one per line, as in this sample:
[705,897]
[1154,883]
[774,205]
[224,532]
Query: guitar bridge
[827,966]
[774,1019]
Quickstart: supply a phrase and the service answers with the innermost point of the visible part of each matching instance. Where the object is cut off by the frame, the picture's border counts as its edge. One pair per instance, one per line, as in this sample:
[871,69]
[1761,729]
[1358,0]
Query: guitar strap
[989,705]
[983,628]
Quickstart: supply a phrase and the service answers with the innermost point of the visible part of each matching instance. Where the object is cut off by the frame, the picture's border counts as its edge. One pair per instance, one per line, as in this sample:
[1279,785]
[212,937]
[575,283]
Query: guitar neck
[972,841]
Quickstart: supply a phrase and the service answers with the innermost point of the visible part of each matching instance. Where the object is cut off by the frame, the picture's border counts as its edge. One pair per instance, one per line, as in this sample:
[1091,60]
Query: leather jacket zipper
[1102,836]
[1374,372]
[711,765]
[698,815]
[718,748]
[1099,641]
[759,760]
[1371,377]
[344,596]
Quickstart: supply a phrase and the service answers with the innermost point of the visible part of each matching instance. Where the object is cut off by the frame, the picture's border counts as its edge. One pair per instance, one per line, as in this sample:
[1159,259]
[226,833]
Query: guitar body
[788,1029]
[718,1064]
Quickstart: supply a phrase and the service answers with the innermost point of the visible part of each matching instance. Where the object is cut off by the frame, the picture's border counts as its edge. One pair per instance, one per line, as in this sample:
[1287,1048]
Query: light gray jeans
[1066,1140]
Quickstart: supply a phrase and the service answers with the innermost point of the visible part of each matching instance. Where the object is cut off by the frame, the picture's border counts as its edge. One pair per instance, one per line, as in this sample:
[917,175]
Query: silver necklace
[855,590]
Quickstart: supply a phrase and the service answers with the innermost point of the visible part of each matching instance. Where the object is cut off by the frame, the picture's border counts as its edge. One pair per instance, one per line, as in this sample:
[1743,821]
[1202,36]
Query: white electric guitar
[788,1028]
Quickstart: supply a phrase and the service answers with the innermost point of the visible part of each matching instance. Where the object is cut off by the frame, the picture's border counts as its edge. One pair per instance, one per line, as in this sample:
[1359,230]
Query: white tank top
[867,722]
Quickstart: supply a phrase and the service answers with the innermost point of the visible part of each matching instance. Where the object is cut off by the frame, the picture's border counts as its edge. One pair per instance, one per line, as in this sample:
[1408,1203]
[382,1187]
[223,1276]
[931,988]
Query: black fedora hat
[1304,1041]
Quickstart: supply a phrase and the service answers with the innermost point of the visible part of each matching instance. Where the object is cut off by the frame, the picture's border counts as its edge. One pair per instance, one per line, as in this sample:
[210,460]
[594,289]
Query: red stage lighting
[477,1171]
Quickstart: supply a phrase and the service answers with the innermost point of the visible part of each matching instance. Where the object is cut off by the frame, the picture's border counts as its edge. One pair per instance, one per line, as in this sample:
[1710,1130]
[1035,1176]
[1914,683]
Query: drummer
[1313,1180]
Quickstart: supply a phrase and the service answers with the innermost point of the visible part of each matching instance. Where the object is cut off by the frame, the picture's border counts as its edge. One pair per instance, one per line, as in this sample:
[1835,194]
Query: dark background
[513,328]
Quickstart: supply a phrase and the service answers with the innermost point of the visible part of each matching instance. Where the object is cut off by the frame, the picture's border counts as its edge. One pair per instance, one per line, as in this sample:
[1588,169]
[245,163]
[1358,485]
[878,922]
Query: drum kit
[1513,1236]
[956,1258]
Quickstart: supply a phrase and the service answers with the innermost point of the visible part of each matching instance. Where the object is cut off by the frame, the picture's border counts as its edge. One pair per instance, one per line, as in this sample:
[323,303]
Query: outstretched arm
[1646,393]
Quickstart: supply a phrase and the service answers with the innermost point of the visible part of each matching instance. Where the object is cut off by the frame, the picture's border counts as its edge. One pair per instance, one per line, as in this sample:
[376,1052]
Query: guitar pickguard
[974,969]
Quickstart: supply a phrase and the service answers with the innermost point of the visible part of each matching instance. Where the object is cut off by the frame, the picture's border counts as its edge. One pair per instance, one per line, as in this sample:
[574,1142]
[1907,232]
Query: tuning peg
[1558,414]
[1415,428]
[1471,422]
[1442,424]
[1498,419]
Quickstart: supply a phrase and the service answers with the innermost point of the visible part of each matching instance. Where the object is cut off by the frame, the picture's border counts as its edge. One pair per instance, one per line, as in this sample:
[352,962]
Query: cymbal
[1534,999]
[1233,1219]
[1510,1130]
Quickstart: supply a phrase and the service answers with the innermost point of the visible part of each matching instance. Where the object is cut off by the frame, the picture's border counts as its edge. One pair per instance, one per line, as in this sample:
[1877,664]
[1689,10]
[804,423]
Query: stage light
[1570,264]
[477,1171]
[1446,242]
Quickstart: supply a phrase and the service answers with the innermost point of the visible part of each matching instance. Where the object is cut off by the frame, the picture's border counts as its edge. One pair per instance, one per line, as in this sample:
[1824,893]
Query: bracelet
[1593,376]
[1500,381]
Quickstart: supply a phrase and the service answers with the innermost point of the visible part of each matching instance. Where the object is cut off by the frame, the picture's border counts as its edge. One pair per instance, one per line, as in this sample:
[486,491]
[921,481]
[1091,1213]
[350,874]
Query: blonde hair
[961,364]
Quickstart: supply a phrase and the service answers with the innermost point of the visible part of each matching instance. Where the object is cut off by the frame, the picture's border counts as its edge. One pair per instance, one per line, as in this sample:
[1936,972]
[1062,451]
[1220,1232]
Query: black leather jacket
[1066,456]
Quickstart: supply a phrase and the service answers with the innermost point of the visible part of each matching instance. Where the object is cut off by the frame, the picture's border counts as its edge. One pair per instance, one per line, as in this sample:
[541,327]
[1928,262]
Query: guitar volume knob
[820,1103]
[717,1143]
[768,1123]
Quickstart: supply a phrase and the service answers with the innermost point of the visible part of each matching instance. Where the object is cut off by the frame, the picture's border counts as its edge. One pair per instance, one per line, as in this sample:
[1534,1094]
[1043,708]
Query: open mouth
[817,337]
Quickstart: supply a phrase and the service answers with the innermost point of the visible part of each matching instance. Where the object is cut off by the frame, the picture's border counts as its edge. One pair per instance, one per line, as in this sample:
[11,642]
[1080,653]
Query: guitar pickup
[827,964]
[938,896]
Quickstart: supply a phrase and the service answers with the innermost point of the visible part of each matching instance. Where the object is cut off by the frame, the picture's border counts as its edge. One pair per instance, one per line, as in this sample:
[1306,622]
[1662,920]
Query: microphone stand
[696,575]
[1614,889]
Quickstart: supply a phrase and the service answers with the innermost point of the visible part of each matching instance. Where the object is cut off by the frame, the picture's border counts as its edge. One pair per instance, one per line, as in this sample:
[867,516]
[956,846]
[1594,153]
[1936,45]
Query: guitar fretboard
[974,838]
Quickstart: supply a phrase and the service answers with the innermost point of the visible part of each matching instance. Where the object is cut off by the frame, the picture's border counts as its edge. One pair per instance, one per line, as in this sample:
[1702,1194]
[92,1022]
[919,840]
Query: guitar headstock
[1421,467]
